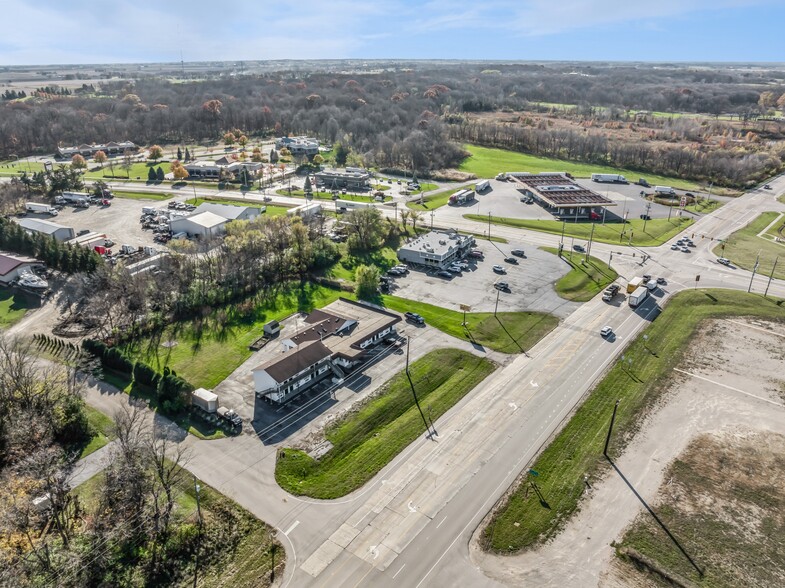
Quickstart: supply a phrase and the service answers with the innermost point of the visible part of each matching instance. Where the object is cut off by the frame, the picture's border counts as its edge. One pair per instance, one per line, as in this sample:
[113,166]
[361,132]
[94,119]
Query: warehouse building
[205,225]
[229,211]
[297,146]
[213,169]
[336,340]
[11,266]
[43,227]
[85,150]
[306,210]
[561,196]
[437,249]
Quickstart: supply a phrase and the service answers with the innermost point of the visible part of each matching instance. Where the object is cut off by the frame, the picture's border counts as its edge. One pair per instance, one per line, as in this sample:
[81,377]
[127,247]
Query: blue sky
[52,31]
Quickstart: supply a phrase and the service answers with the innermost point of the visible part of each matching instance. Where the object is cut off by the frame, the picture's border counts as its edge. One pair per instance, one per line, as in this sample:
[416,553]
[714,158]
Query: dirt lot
[714,391]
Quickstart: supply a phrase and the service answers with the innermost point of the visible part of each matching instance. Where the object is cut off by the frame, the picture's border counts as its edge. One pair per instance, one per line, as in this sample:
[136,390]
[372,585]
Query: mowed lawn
[486,162]
[522,521]
[744,246]
[13,307]
[103,431]
[658,230]
[142,195]
[508,332]
[585,279]
[432,201]
[368,439]
[206,351]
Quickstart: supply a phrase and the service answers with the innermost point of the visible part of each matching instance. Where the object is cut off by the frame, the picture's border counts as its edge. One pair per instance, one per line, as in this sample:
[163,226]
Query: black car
[511,260]
[578,248]
[415,318]
[518,253]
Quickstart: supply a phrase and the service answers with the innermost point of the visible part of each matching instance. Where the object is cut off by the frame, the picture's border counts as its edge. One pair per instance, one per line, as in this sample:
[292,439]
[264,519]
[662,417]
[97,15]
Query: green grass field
[208,350]
[522,521]
[383,258]
[432,201]
[369,438]
[13,307]
[781,198]
[509,332]
[585,279]
[658,230]
[102,426]
[271,209]
[744,246]
[486,162]
[142,195]
[322,195]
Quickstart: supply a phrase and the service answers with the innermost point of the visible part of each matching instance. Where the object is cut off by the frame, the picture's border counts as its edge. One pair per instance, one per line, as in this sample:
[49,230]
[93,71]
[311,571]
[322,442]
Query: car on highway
[613,289]
[415,318]
[578,248]
[606,331]
[511,260]
[674,247]
[499,269]
[723,260]
[661,281]
[646,278]
[518,253]
[504,286]
[685,249]
[607,296]
[444,274]
[766,187]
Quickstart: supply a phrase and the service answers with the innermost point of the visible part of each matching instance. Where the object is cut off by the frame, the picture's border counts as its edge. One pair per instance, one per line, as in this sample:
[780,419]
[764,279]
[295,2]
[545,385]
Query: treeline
[733,167]
[388,119]
[67,258]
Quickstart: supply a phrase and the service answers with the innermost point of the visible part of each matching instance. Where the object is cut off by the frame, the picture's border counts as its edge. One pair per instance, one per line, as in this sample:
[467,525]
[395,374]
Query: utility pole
[754,269]
[495,308]
[771,275]
[198,489]
[610,259]
[489,225]
[591,236]
[563,226]
[646,218]
[411,384]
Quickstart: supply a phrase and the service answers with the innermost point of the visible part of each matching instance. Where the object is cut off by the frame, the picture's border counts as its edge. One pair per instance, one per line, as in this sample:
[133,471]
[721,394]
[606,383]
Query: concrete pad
[321,558]
[404,533]
[344,535]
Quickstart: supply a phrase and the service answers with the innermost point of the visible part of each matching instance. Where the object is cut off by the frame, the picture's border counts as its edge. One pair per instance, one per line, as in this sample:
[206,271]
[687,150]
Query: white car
[723,260]
[499,269]
[606,331]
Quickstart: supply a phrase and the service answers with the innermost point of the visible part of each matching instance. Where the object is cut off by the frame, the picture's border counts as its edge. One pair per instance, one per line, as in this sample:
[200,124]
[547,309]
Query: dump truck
[638,296]
[40,208]
[609,178]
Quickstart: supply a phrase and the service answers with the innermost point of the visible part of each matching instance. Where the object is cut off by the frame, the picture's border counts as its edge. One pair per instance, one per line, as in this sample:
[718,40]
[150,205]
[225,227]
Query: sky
[140,31]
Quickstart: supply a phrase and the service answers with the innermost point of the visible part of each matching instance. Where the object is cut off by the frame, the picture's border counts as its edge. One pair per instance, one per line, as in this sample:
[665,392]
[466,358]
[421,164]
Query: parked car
[499,269]
[674,247]
[511,260]
[518,253]
[476,253]
[444,274]
[82,232]
[606,331]
[415,318]
[685,249]
[661,281]
[646,278]
[607,297]
[613,289]
[578,248]
[402,268]
[504,286]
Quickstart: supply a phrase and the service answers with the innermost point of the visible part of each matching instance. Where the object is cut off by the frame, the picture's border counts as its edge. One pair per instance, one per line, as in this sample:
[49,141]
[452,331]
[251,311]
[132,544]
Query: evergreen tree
[179,154]
[187,154]
[151,175]
[159,174]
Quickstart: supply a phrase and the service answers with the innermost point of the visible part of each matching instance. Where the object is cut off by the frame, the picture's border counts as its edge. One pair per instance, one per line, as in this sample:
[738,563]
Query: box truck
[664,190]
[609,178]
[40,208]
[638,296]
[634,284]
[482,186]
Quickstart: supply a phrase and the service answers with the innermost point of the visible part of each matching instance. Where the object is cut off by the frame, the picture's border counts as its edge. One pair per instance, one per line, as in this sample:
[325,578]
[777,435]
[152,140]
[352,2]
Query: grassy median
[657,231]
[744,246]
[521,520]
[585,279]
[368,439]
[432,201]
[508,332]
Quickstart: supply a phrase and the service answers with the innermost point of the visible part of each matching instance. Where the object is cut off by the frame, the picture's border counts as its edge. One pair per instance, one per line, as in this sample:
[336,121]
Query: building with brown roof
[561,196]
[335,340]
[11,266]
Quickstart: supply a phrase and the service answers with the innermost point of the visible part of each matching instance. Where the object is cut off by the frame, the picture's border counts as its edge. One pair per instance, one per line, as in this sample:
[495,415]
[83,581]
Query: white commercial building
[436,249]
[306,210]
[205,225]
[59,232]
[229,211]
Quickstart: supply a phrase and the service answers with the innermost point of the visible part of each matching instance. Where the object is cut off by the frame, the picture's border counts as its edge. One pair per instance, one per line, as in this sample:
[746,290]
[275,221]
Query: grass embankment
[383,258]
[142,195]
[322,195]
[522,521]
[207,350]
[367,440]
[744,246]
[585,279]
[486,162]
[13,306]
[724,498]
[782,198]
[235,549]
[508,332]
[102,428]
[432,201]
[658,230]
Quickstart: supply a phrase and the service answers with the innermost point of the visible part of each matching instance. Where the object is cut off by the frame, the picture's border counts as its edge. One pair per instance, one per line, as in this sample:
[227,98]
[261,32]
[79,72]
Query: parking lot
[531,283]
[503,199]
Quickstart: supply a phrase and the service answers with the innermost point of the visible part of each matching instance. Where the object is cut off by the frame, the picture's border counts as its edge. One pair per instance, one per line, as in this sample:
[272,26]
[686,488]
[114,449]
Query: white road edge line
[292,528]
[399,571]
[728,387]
[440,524]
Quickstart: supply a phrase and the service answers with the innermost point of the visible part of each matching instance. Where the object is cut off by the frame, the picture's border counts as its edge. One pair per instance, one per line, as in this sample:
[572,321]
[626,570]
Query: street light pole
[489,225]
[754,269]
[495,308]
[771,275]
[610,429]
